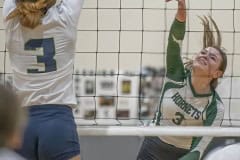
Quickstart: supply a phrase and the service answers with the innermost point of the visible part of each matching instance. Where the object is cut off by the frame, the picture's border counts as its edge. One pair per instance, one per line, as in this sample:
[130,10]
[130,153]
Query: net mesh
[120,57]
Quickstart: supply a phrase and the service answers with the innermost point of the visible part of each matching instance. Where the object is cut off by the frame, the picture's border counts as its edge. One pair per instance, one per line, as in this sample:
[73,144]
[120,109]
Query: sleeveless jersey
[42,58]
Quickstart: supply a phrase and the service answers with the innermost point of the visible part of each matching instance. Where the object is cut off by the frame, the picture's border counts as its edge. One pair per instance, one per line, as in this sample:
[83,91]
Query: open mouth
[202,61]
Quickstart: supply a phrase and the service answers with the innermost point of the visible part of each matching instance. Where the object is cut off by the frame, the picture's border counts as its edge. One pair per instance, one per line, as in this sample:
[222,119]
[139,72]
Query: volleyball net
[120,61]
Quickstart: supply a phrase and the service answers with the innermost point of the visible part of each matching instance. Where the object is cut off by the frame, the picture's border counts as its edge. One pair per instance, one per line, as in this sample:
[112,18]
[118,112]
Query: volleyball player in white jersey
[188,96]
[41,37]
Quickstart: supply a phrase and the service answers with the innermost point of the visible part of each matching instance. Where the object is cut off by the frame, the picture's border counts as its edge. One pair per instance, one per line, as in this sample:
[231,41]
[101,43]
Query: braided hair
[30,12]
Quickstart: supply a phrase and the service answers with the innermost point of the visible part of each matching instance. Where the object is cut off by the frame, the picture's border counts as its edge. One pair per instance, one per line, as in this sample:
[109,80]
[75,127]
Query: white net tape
[159,131]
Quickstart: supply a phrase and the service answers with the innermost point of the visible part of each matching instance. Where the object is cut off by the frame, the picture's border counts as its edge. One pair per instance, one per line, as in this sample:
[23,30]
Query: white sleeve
[72,8]
[8,6]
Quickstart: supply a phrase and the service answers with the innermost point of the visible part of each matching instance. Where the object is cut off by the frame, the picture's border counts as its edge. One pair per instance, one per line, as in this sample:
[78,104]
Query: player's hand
[170,0]
[179,1]
[181,4]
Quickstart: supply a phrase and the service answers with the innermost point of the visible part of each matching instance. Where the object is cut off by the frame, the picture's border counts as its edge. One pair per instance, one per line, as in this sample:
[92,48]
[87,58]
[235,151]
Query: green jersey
[180,104]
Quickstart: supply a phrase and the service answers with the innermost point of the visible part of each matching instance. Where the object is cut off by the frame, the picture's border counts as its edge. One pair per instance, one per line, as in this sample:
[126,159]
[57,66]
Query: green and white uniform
[180,105]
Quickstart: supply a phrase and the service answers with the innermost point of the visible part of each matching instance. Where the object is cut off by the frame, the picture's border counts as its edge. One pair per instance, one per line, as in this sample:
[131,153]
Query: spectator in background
[12,124]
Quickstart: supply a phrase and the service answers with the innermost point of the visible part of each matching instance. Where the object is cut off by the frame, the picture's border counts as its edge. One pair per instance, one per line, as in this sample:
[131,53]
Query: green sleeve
[191,156]
[175,68]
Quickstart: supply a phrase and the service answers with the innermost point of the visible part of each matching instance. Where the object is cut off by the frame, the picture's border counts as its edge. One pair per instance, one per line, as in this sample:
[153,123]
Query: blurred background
[120,65]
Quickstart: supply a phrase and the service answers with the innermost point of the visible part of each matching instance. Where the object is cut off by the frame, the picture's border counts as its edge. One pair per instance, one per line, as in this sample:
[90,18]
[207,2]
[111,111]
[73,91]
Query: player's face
[207,63]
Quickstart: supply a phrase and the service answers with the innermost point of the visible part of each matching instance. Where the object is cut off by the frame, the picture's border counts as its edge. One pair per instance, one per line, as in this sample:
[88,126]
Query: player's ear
[217,74]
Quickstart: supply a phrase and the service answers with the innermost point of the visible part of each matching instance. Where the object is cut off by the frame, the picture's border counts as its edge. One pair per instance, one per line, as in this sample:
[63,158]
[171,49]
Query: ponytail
[30,13]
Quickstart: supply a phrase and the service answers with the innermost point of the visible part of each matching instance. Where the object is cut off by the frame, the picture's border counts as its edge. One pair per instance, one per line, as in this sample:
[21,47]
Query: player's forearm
[175,68]
[181,13]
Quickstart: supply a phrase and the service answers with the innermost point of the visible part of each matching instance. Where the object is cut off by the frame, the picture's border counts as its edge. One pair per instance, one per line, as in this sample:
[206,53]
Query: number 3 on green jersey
[179,117]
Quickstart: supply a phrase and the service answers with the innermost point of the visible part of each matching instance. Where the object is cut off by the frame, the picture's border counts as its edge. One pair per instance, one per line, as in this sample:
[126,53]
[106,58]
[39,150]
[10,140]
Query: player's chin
[200,64]
[201,70]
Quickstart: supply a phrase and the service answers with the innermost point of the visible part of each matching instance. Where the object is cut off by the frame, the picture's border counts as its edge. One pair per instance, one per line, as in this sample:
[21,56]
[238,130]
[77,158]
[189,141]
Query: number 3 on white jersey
[44,50]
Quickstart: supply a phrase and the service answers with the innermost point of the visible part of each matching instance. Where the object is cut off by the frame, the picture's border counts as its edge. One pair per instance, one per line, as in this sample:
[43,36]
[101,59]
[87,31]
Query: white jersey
[6,154]
[42,58]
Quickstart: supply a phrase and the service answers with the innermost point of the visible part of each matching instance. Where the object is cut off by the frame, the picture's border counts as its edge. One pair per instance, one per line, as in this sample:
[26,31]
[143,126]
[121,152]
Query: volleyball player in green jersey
[188,97]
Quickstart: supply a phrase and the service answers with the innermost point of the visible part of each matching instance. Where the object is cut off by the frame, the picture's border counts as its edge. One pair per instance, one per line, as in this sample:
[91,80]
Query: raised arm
[175,67]
[72,8]
[8,6]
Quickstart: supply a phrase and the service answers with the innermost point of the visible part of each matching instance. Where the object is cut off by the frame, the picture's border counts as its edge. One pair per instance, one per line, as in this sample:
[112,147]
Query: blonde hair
[209,40]
[30,12]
